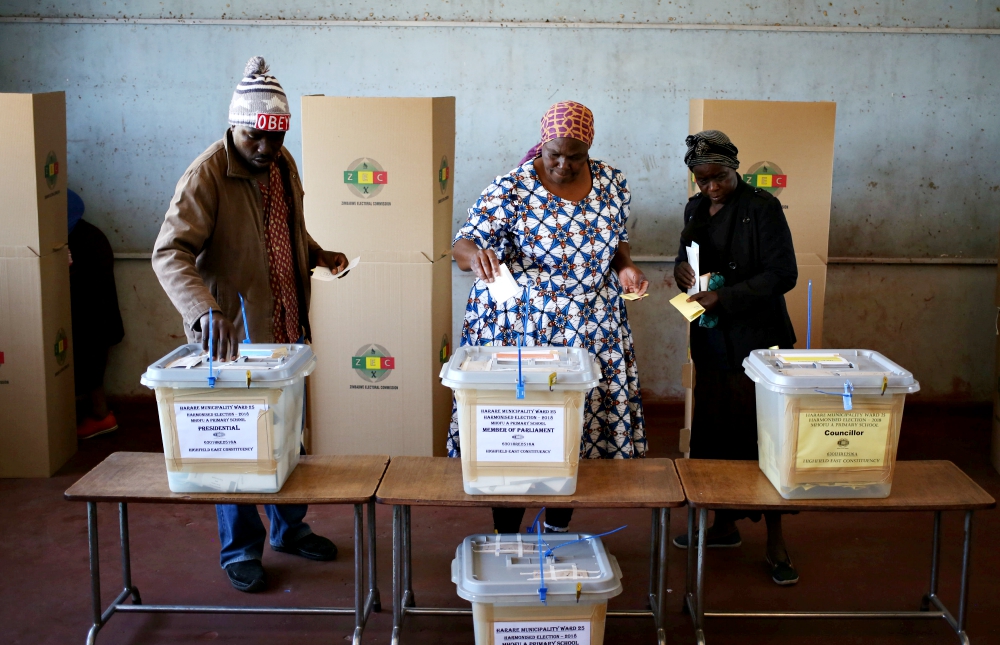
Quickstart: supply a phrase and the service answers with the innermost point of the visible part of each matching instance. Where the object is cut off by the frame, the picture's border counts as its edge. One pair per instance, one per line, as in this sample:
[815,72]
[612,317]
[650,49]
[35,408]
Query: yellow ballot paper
[690,310]
[634,296]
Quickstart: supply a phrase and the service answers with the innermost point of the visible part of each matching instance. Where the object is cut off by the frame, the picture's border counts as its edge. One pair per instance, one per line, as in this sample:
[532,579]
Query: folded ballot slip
[690,310]
[504,286]
[634,296]
[326,275]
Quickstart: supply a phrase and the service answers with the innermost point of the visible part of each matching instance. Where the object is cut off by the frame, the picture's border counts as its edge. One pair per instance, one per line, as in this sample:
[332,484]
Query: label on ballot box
[520,433]
[535,633]
[218,430]
[842,439]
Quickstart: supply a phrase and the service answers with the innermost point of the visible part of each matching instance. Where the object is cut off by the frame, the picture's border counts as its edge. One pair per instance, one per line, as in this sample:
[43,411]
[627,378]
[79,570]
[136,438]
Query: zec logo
[365,177]
[61,347]
[444,174]
[766,175]
[843,443]
[51,169]
[373,363]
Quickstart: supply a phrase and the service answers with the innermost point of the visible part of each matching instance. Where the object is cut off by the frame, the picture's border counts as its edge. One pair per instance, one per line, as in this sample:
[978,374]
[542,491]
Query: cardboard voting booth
[33,171]
[378,173]
[38,435]
[381,333]
[378,179]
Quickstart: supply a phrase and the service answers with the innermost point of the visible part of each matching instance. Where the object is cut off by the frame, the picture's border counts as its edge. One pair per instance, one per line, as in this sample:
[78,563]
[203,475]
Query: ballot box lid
[268,365]
[509,569]
[802,371]
[473,367]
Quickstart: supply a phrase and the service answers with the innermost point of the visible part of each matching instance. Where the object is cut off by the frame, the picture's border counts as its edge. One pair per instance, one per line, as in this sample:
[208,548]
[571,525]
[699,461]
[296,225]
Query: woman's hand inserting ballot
[482,262]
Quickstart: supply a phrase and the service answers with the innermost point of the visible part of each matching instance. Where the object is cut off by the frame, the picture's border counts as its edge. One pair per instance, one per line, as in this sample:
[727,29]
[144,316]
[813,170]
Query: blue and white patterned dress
[563,250]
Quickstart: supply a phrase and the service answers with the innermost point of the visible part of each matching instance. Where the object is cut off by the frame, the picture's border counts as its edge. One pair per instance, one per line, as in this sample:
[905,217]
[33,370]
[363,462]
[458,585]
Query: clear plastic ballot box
[528,446]
[239,433]
[828,420]
[501,576]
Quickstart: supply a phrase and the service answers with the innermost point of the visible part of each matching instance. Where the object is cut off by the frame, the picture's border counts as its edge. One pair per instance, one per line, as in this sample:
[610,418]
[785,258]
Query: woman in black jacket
[745,247]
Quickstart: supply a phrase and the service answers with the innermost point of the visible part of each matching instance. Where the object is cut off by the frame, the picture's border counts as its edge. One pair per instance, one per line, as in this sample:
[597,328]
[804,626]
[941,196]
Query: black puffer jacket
[761,268]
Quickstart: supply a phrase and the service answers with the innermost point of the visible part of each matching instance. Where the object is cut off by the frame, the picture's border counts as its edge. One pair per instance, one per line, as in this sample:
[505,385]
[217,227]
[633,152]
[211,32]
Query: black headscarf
[710,146]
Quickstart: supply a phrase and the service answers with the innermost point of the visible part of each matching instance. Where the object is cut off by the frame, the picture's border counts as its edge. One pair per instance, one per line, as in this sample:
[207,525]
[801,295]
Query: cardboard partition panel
[785,148]
[381,334]
[38,430]
[811,267]
[378,173]
[33,171]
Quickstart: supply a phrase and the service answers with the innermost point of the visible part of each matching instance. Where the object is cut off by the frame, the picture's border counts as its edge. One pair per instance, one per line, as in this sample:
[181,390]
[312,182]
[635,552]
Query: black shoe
[783,573]
[247,576]
[311,547]
[730,541]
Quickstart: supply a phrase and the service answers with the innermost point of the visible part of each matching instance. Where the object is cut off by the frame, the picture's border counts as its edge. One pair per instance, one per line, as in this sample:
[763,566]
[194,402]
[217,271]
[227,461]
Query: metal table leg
[689,577]
[699,606]
[95,573]
[661,586]
[359,575]
[127,555]
[925,604]
[397,538]
[408,598]
[373,592]
[963,597]
[653,553]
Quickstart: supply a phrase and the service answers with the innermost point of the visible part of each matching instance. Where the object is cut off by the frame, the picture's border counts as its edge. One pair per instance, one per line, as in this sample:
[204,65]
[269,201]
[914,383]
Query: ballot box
[522,593]
[828,421]
[231,426]
[520,446]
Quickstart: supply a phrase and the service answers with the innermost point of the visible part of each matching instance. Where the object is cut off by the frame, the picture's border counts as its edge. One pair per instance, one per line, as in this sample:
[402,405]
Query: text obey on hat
[272,122]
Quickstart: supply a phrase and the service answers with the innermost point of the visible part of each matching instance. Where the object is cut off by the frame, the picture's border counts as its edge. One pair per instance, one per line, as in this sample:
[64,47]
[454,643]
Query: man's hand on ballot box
[225,341]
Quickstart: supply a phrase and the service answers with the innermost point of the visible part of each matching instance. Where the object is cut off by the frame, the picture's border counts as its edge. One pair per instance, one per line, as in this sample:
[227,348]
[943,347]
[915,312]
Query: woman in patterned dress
[558,222]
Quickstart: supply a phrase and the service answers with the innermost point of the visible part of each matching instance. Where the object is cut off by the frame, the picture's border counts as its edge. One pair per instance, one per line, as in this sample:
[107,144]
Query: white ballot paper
[504,287]
[693,253]
[325,274]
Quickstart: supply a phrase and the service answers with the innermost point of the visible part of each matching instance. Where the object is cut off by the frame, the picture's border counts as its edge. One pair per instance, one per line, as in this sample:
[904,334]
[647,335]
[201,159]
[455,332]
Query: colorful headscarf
[710,146]
[566,119]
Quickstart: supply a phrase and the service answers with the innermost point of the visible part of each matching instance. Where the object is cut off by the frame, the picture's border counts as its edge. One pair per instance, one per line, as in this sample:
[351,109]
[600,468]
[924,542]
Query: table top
[603,483]
[916,486]
[141,477]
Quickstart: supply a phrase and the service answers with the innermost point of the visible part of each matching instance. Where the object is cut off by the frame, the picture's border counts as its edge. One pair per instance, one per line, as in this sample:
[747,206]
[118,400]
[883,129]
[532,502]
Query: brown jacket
[211,245]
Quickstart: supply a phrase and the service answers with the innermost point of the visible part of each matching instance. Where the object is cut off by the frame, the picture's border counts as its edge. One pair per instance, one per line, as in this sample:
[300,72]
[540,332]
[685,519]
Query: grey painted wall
[916,130]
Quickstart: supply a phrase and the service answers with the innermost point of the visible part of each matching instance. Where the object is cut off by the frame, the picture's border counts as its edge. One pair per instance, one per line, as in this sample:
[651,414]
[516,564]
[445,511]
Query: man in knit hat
[235,228]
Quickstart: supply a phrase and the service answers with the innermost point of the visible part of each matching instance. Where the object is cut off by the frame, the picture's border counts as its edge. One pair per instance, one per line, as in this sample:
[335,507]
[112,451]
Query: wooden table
[712,484]
[141,477]
[611,483]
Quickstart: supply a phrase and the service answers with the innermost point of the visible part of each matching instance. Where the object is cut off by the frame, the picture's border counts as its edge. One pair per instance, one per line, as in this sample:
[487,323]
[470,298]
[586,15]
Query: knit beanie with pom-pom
[259,102]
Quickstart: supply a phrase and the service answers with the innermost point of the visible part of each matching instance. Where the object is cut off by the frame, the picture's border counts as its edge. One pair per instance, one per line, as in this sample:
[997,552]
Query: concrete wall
[913,176]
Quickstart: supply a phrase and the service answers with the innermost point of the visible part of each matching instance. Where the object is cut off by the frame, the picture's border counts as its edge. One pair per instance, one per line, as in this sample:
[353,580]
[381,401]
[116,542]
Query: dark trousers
[508,520]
